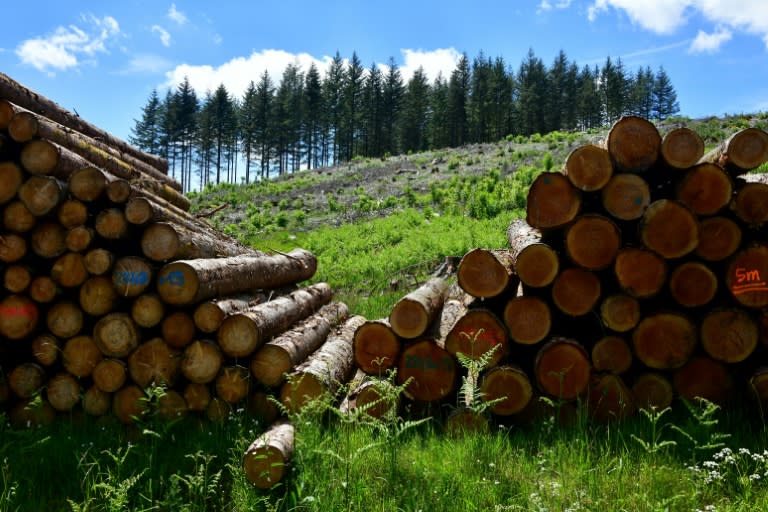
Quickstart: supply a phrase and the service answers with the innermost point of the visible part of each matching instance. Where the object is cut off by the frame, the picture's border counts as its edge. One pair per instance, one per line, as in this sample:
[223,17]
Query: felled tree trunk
[431,371]
[487,273]
[741,152]
[412,315]
[209,315]
[536,263]
[634,144]
[265,460]
[681,148]
[562,368]
[588,167]
[510,384]
[664,340]
[553,201]
[376,347]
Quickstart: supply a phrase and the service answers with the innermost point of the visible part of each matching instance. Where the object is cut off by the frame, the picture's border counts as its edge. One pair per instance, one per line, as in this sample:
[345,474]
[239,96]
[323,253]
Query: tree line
[310,120]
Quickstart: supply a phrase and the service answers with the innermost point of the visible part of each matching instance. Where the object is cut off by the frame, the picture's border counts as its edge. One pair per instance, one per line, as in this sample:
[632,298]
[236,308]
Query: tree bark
[562,368]
[80,356]
[743,151]
[511,384]
[209,314]
[190,281]
[552,202]
[588,167]
[681,148]
[413,314]
[664,340]
[536,263]
[265,460]
[376,347]
[634,144]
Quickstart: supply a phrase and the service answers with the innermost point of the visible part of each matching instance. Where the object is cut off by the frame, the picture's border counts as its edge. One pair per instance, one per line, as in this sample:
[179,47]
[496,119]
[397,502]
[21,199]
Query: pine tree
[223,123]
[353,107]
[313,116]
[334,106]
[392,99]
[373,105]
[501,101]
[480,102]
[416,112]
[532,87]
[187,106]
[664,96]
[205,140]
[146,133]
[263,137]
[248,126]
[590,105]
[458,97]
[438,123]
[641,95]
[615,90]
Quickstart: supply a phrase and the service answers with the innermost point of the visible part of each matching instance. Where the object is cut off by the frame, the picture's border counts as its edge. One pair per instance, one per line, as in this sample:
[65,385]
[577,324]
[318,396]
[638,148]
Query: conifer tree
[458,97]
[146,132]
[392,99]
[664,96]
[313,116]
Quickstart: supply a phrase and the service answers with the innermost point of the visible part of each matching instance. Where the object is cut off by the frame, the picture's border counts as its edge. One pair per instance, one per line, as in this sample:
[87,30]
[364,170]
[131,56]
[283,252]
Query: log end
[682,148]
[747,277]
[652,391]
[670,229]
[664,340]
[634,144]
[511,386]
[562,369]
[589,167]
[269,365]
[552,201]
[376,348]
[537,265]
[177,283]
[481,274]
[528,319]
[409,319]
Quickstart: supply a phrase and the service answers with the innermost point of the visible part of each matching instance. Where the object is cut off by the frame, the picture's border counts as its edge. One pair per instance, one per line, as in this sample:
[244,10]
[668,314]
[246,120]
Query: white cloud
[442,60]
[665,16]
[61,49]
[176,15]
[545,5]
[146,64]
[710,43]
[165,37]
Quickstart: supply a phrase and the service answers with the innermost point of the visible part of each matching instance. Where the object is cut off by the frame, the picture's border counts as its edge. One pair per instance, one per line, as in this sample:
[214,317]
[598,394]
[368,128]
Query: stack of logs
[110,287]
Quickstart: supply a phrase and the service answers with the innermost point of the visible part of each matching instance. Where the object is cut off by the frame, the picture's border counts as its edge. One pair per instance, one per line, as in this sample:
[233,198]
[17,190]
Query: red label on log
[15,311]
[748,281]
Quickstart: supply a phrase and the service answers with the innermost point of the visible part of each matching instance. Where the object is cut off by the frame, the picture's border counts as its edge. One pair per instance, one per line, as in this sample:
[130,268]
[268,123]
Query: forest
[309,120]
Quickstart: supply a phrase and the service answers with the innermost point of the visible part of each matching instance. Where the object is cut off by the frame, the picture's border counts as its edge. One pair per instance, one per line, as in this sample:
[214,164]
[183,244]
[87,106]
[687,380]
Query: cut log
[412,315]
[292,347]
[705,378]
[743,151]
[42,194]
[218,410]
[746,276]
[178,329]
[664,340]
[609,398]
[620,312]
[79,238]
[634,144]
[325,370]
[116,334]
[197,396]
[80,356]
[652,391]
[16,278]
[536,263]
[18,317]
[87,184]
[487,273]
[729,335]
[141,209]
[119,191]
[511,385]
[693,284]
[130,404]
[63,392]
[96,402]
[719,238]
[132,276]
[12,248]
[611,354]
[588,167]
[99,261]
[592,241]
[11,179]
[431,372]
[477,332]
[18,218]
[187,282]
[43,157]
[32,414]
[154,363]
[171,406]
[681,148]
[43,289]
[528,319]
[64,319]
[376,347]
[232,384]
[110,375]
[46,349]
[464,420]
[147,310]
[261,405]
[48,240]
[201,361]
[68,271]
[98,296]
[110,223]
[751,204]
[626,197]
[373,396]
[72,213]
[26,380]
[209,314]
[7,109]
[163,241]
[562,368]
[241,334]
[705,189]
[265,460]
[576,291]
[639,272]
[669,229]
[552,202]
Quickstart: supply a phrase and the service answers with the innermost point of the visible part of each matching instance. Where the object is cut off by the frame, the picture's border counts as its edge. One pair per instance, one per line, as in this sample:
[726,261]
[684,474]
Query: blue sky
[103,59]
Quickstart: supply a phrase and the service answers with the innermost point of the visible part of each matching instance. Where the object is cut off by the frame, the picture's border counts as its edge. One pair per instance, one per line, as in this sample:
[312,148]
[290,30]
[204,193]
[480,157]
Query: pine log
[265,460]
[592,241]
[147,310]
[12,248]
[110,223]
[373,396]
[18,317]
[634,144]
[171,406]
[241,334]
[142,208]
[163,241]
[87,183]
[154,363]
[132,276]
[588,167]
[292,347]
[110,375]
[487,273]
[96,402]
[431,372]
[197,396]
[376,347]
[325,370]
[669,228]
[552,201]
[79,238]
[64,319]
[116,334]
[69,270]
[464,420]
[741,152]
[80,356]
[705,189]
[729,335]
[99,261]
[43,157]
[72,213]
[48,240]
[26,380]
[191,281]
[25,98]
[261,405]
[218,410]
[626,196]
[509,383]
[42,194]
[664,340]
[201,361]
[18,218]
[16,278]
[209,314]
[7,110]
[702,377]
[119,191]
[746,276]
[477,332]
[32,414]
[693,284]
[43,289]
[611,354]
[232,384]
[609,398]
[11,179]
[681,148]
[178,329]
[576,291]
[129,404]
[620,312]
[63,392]
[528,319]
[536,263]
[562,368]
[412,315]
[46,349]
[639,272]
[652,391]
[751,204]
